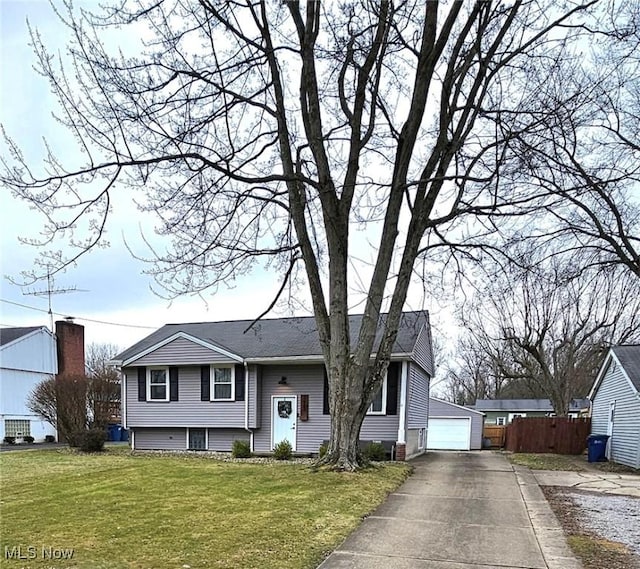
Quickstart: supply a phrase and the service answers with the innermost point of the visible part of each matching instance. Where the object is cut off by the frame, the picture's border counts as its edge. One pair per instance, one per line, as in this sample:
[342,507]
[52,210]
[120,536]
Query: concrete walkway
[458,510]
[601,482]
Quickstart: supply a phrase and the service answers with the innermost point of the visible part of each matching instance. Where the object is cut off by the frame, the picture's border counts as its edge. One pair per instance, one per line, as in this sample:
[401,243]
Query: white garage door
[449,434]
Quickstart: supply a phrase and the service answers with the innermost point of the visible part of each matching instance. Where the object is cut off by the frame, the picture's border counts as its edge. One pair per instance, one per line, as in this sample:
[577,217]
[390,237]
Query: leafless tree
[269,130]
[546,330]
[62,402]
[103,392]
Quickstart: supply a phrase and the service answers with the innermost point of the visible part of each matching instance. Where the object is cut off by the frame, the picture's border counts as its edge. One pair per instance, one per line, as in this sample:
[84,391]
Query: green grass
[117,510]
[549,461]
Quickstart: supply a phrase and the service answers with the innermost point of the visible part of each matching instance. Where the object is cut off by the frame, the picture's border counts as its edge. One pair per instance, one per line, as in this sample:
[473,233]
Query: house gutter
[246,404]
[402,415]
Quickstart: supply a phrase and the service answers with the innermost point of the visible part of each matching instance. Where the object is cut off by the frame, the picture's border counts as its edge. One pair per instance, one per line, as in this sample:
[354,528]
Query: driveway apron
[459,510]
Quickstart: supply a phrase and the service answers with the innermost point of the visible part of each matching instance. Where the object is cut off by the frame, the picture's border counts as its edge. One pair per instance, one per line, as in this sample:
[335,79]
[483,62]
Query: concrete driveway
[459,510]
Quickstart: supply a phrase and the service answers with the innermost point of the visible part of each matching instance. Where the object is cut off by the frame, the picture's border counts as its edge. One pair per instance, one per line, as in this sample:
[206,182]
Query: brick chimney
[70,338]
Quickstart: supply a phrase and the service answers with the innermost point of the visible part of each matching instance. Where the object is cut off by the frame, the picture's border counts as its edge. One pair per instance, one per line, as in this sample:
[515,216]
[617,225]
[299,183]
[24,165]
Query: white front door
[283,420]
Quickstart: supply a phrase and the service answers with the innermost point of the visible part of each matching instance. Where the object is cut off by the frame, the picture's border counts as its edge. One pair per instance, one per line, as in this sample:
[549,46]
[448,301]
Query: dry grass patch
[117,510]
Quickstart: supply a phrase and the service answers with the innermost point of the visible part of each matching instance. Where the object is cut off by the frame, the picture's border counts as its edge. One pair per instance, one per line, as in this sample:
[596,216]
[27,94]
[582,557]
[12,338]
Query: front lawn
[117,510]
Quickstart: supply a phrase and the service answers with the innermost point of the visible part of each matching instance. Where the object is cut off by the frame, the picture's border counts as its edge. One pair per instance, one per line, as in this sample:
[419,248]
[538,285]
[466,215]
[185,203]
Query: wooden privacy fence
[496,434]
[559,435]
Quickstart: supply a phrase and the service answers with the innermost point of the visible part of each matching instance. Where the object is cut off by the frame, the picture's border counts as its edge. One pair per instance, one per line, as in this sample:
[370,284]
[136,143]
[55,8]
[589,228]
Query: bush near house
[283,451]
[241,449]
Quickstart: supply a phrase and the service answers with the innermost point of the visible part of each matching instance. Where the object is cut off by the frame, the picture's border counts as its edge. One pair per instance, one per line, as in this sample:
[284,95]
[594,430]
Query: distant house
[503,411]
[201,386]
[453,427]
[29,355]
[615,404]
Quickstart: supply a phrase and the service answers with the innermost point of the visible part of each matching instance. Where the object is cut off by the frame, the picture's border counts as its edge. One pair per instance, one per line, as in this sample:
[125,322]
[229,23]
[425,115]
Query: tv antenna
[49,291]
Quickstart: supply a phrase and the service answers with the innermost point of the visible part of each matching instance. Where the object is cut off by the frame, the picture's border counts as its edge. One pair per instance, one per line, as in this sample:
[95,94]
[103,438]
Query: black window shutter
[239,378]
[173,384]
[392,388]
[325,393]
[142,384]
[205,383]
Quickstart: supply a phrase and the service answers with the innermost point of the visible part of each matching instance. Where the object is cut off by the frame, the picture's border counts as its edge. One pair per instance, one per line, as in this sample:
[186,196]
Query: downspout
[402,415]
[246,404]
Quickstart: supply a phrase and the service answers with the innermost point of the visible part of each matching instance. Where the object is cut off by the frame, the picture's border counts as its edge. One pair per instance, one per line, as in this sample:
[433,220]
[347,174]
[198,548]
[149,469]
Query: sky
[106,291]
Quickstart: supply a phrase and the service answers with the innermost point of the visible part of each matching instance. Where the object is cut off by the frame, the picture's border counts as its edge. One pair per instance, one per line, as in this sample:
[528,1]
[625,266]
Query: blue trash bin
[597,448]
[124,435]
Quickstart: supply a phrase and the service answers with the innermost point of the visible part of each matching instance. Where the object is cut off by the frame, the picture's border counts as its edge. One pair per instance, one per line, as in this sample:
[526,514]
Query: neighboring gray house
[452,427]
[615,404]
[202,386]
[503,411]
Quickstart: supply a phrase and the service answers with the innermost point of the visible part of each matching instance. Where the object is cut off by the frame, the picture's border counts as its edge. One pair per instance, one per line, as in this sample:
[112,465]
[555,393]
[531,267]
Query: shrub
[324,447]
[375,452]
[283,450]
[241,449]
[91,440]
[49,439]
[10,440]
[28,439]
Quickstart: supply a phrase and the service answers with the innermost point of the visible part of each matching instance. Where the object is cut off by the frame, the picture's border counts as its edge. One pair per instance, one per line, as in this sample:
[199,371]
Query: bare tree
[103,392]
[62,402]
[267,130]
[546,330]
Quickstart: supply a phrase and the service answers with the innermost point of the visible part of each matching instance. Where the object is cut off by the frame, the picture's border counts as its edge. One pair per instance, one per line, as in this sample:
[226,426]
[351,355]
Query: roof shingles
[629,357]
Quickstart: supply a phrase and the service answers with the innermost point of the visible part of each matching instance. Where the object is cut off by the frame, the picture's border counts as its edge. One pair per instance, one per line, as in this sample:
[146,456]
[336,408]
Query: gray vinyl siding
[222,439]
[188,411]
[625,441]
[253,396]
[183,351]
[418,398]
[160,439]
[443,410]
[308,380]
[422,352]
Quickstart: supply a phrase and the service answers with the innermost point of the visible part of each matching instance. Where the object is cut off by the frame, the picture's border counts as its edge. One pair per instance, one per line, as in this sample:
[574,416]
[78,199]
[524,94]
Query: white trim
[166,384]
[402,413]
[603,371]
[504,421]
[246,396]
[206,438]
[123,397]
[383,400]
[515,414]
[295,419]
[27,336]
[457,406]
[314,358]
[132,437]
[212,384]
[184,336]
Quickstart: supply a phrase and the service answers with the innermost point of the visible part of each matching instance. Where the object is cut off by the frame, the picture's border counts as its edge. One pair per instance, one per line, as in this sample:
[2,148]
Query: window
[223,383]
[158,384]
[512,416]
[501,421]
[378,403]
[17,428]
[197,439]
[421,438]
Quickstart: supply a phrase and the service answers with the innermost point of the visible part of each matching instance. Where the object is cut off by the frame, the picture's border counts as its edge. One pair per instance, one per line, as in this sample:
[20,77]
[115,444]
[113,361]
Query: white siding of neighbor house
[188,411]
[160,439]
[182,351]
[422,353]
[444,410]
[625,441]
[418,398]
[309,380]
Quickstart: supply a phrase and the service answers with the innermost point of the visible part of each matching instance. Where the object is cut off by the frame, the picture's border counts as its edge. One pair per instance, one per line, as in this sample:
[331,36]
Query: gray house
[503,411]
[453,427]
[202,386]
[615,404]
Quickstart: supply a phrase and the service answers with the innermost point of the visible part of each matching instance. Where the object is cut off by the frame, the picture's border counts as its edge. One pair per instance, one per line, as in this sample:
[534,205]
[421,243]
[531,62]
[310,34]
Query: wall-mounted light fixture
[283,381]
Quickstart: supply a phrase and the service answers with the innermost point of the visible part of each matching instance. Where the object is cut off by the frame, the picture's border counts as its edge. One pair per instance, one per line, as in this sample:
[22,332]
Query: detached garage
[453,427]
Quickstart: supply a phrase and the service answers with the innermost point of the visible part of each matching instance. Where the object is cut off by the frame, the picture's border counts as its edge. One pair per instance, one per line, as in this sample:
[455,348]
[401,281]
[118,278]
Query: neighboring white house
[27,356]
[615,404]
